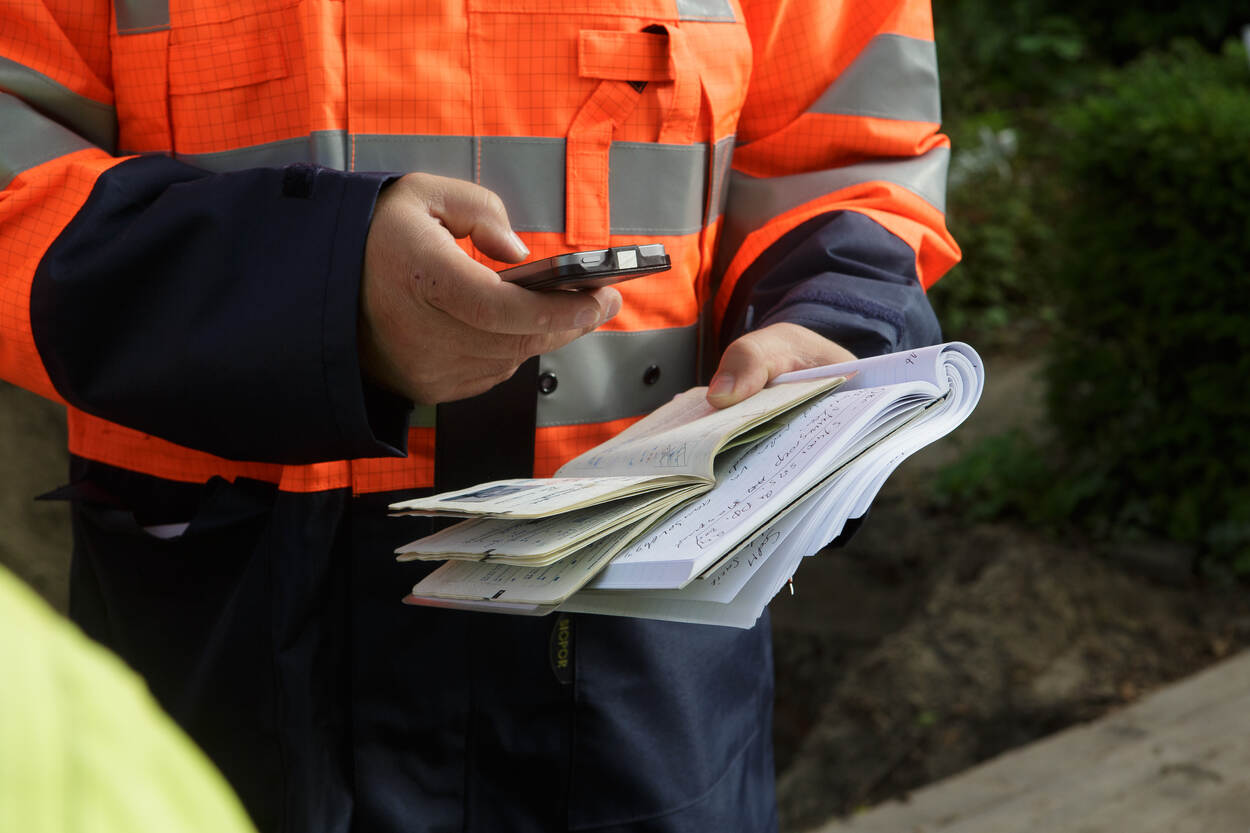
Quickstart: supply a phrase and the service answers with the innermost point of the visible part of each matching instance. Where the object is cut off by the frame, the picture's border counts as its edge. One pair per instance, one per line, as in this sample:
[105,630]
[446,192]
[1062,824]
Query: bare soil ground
[928,645]
[923,647]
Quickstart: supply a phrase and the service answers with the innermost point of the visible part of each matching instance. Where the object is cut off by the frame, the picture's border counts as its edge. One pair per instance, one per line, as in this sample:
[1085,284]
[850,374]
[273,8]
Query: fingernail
[519,245]
[722,385]
[614,306]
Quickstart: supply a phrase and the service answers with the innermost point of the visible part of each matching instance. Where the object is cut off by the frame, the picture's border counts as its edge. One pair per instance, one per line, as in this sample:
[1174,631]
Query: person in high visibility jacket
[228,237]
[83,746]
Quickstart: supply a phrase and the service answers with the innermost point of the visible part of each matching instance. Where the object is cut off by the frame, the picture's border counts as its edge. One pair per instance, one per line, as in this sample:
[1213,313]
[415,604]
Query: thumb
[743,371]
[753,360]
[468,209]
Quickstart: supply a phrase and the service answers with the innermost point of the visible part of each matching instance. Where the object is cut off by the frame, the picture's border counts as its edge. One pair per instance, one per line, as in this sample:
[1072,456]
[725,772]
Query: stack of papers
[695,514]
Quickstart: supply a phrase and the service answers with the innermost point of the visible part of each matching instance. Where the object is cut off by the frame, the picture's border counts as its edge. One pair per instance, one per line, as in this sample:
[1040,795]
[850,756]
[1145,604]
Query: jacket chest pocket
[212,83]
[615,104]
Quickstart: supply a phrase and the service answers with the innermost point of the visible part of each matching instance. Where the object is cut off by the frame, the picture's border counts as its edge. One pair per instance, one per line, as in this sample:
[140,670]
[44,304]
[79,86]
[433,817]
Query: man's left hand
[752,360]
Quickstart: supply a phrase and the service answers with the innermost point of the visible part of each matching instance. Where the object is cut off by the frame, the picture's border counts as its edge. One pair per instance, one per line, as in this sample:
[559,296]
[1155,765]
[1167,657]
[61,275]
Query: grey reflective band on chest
[95,122]
[31,138]
[654,189]
[718,10]
[894,77]
[602,376]
[134,17]
[754,201]
[722,158]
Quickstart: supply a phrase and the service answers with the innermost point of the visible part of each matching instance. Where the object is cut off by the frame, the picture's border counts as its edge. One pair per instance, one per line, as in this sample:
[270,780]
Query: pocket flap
[226,63]
[624,56]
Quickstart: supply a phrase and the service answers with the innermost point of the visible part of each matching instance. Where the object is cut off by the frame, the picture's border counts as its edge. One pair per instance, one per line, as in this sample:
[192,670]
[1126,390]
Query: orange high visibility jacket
[189,172]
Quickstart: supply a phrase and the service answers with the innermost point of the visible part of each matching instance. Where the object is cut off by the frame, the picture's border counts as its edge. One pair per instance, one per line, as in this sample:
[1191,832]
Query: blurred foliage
[1146,376]
[1018,54]
[998,293]
[1006,67]
[1100,189]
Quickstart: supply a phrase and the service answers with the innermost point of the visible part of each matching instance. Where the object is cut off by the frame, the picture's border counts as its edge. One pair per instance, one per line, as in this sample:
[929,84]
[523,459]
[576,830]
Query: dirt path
[927,645]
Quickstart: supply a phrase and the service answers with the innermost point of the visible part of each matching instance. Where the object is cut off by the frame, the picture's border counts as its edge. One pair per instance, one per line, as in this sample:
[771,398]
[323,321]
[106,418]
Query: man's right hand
[436,325]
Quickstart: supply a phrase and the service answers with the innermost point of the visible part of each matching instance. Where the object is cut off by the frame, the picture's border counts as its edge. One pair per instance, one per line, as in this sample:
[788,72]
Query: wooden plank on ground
[1176,762]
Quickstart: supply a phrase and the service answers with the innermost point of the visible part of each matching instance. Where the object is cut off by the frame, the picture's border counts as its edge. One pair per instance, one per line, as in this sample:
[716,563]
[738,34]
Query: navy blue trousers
[272,631]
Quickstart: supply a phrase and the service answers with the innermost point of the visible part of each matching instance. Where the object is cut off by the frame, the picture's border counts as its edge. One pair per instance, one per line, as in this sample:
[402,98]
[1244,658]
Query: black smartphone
[587,270]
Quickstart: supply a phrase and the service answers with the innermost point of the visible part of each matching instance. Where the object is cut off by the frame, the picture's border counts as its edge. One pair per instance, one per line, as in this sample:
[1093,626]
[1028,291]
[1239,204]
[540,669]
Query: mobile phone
[590,269]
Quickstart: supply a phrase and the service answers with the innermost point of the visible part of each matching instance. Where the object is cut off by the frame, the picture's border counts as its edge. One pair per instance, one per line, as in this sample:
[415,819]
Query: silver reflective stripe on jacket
[717,10]
[894,77]
[139,16]
[655,189]
[31,139]
[135,17]
[95,122]
[605,376]
[754,201]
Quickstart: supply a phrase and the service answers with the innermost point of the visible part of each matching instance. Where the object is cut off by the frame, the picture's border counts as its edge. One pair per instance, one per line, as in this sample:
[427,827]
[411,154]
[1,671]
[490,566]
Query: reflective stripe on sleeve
[894,77]
[604,376]
[94,121]
[31,139]
[754,201]
[134,17]
[656,189]
[718,10]
[722,158]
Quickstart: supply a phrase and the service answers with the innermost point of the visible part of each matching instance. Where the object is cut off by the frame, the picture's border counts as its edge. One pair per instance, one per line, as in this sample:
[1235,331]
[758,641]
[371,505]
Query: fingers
[433,211]
[753,360]
[452,282]
[437,325]
[469,210]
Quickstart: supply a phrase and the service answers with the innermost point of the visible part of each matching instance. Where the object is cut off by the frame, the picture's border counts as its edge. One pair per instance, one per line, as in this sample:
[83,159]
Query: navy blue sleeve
[844,276]
[219,311]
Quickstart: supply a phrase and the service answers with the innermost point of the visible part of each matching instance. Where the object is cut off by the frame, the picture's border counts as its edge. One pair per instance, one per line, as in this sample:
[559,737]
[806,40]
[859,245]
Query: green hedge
[1149,366]
[1143,190]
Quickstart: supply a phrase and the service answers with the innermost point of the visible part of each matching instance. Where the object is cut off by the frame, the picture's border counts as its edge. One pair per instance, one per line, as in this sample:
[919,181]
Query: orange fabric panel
[64,40]
[409,71]
[388,474]
[142,85]
[227,75]
[106,442]
[587,215]
[116,445]
[241,81]
[207,66]
[623,56]
[656,10]
[816,141]
[723,58]
[802,46]
[322,26]
[34,208]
